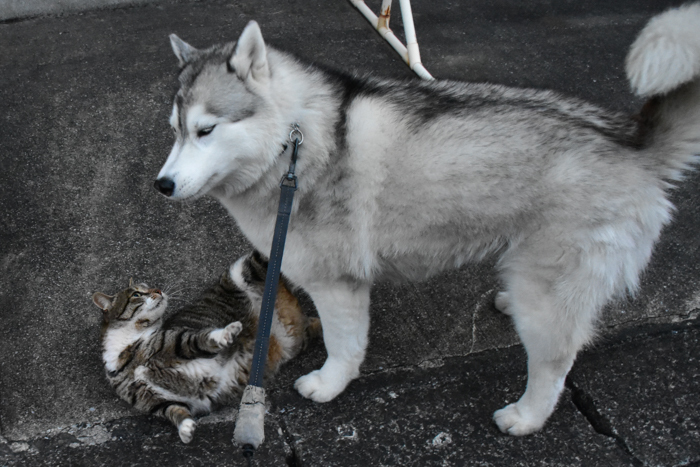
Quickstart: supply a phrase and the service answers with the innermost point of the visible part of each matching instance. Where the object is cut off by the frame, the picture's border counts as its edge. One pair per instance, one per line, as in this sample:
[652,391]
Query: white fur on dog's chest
[302,248]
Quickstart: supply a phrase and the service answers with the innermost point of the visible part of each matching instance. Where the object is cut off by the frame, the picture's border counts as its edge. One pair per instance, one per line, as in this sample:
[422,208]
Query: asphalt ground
[84,103]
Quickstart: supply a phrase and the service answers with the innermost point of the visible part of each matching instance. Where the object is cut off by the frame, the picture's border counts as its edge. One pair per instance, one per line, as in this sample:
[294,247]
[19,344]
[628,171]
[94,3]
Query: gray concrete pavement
[84,102]
[17,9]
[632,402]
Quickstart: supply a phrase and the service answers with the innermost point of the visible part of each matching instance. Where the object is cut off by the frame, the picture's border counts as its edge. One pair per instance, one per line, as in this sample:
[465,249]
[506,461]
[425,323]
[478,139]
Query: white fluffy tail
[667,52]
[664,65]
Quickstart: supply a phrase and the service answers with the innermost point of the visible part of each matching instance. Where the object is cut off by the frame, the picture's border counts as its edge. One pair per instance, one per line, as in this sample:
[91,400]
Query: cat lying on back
[182,364]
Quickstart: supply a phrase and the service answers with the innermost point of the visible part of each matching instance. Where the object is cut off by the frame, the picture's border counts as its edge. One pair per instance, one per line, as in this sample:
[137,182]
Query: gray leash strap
[250,423]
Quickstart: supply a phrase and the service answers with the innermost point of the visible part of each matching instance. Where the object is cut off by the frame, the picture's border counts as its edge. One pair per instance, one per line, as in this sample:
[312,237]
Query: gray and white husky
[408,178]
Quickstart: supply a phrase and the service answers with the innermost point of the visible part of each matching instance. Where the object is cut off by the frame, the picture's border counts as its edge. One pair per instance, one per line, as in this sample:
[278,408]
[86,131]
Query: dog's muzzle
[165,186]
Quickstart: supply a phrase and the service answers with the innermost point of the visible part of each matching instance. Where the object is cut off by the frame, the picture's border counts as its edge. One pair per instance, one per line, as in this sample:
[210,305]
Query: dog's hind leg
[502,302]
[551,337]
[344,311]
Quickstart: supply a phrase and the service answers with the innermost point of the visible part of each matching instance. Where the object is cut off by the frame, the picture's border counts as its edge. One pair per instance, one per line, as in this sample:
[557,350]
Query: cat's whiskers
[175,291]
[174,288]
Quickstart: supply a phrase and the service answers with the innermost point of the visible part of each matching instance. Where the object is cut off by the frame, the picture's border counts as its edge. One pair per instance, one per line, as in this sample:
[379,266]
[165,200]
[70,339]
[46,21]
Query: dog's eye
[205,131]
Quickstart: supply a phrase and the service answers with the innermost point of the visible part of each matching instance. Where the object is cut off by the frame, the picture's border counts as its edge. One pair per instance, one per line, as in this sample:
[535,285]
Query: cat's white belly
[196,405]
[194,370]
[226,375]
[117,340]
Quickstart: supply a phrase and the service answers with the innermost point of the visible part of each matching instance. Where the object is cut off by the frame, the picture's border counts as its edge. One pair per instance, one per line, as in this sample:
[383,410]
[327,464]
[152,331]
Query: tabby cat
[186,363]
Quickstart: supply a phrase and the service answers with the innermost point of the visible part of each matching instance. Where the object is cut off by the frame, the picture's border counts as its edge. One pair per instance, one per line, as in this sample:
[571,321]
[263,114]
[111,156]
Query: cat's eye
[136,294]
[205,131]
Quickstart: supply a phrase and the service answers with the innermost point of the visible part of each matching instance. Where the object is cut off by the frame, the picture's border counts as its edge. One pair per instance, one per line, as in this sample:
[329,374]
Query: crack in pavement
[664,318]
[585,404]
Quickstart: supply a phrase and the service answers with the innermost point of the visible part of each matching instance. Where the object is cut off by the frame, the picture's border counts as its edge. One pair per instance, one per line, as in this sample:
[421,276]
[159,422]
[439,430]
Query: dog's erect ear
[183,51]
[101,300]
[249,60]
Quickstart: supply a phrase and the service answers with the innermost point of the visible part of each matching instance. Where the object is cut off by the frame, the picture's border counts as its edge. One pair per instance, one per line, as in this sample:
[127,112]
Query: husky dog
[403,179]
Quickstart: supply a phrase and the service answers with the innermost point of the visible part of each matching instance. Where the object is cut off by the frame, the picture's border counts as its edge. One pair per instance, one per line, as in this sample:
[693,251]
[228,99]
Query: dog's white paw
[511,421]
[186,430]
[226,336]
[502,302]
[318,387]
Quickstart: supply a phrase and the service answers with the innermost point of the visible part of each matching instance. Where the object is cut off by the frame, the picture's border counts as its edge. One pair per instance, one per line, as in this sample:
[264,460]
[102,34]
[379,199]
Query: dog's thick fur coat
[406,179]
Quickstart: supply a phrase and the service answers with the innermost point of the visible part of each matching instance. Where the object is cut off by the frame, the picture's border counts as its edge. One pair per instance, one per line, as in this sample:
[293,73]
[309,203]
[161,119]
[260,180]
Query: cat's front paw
[512,421]
[141,373]
[186,430]
[232,331]
[226,336]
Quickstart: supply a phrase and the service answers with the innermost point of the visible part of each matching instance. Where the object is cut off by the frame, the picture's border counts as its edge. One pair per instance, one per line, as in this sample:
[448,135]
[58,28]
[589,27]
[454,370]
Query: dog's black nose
[165,186]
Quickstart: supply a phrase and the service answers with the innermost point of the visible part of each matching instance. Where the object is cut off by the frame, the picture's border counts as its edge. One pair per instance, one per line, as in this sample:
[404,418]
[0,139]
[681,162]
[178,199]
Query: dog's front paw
[186,430]
[226,336]
[318,387]
[511,421]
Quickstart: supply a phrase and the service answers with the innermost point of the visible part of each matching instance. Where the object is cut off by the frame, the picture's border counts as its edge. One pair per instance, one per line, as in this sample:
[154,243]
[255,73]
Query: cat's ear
[131,282]
[101,300]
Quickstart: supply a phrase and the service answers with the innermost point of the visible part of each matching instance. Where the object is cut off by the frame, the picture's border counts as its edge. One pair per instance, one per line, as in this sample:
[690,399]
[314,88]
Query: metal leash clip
[295,129]
[290,179]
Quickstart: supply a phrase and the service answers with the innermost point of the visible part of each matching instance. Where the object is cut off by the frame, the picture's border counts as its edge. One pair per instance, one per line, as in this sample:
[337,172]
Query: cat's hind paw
[186,430]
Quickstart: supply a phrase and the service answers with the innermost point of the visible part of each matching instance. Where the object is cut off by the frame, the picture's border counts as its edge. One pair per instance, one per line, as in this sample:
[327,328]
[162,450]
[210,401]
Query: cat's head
[137,305]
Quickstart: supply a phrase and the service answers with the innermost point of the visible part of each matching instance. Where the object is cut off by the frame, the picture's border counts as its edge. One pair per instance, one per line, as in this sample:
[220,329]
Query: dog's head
[221,118]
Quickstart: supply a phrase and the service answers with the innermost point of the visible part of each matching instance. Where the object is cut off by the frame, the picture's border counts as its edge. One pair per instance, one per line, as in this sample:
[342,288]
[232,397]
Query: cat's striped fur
[186,363]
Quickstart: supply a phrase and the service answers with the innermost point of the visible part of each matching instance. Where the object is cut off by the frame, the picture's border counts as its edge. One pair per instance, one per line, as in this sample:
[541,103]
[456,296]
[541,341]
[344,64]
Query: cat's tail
[313,329]
[664,65]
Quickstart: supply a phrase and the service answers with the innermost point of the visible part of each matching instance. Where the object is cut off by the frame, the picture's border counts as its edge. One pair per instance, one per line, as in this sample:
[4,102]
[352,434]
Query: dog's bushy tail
[664,66]
[667,52]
